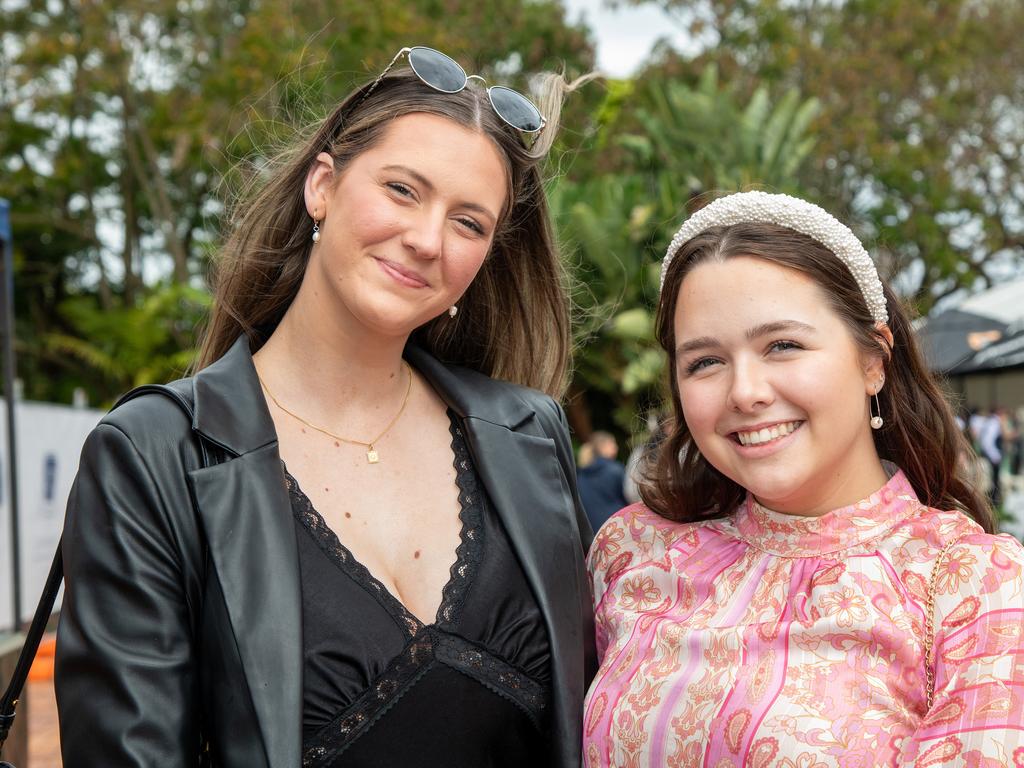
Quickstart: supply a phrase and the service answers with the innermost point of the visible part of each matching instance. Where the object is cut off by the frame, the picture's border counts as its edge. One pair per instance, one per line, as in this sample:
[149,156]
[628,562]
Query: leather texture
[180,639]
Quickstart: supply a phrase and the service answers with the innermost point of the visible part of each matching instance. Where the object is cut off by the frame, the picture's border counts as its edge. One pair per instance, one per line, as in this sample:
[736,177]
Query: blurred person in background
[601,479]
[809,580]
[636,462]
[990,445]
[383,562]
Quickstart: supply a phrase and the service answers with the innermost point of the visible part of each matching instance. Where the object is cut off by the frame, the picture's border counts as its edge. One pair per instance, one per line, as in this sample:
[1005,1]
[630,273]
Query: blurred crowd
[606,485]
[996,435]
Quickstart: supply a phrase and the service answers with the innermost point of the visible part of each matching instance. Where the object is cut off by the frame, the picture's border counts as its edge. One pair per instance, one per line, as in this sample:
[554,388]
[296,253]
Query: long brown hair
[513,321]
[919,435]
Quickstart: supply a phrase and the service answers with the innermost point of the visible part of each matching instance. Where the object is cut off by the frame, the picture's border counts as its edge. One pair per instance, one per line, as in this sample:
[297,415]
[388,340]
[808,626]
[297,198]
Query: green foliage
[120,122]
[921,127]
[676,141]
[120,348]
[125,126]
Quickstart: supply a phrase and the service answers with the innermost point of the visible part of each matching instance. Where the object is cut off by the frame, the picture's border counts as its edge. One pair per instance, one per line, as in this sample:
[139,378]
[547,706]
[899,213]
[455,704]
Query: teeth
[767,434]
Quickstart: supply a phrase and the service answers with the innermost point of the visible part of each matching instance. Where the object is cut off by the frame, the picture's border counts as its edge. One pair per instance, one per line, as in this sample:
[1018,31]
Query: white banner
[49,441]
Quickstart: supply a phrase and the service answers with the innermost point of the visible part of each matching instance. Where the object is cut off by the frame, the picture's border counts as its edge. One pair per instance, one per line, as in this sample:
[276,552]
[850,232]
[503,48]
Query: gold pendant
[371,456]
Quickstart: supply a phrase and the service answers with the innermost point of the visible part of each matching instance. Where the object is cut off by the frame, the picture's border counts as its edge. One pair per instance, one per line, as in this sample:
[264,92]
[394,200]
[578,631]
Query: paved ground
[44,744]
[43,740]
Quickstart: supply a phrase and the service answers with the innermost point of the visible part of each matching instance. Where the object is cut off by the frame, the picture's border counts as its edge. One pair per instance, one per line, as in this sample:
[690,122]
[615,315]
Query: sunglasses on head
[442,73]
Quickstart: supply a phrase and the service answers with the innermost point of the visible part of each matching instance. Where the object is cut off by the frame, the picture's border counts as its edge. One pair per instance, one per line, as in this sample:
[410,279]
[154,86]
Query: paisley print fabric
[764,639]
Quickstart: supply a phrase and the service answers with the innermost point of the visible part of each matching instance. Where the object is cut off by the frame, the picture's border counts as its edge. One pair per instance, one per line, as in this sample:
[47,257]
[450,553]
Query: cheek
[463,263]
[828,393]
[702,405]
[374,225]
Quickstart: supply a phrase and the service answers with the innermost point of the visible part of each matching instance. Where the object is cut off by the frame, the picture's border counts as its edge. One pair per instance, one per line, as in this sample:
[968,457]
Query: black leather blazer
[182,622]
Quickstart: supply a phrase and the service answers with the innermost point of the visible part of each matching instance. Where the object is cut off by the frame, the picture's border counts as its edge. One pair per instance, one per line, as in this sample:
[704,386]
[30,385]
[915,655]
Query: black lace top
[382,689]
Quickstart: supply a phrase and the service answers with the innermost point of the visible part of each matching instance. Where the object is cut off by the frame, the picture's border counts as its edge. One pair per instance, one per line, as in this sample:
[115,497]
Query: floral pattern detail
[639,593]
[846,605]
[954,569]
[760,639]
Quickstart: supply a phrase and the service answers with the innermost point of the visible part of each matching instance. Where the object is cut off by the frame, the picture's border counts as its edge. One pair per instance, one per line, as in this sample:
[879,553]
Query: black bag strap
[9,701]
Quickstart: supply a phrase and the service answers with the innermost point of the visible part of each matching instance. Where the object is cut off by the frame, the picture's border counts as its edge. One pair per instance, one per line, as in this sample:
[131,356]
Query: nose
[750,389]
[424,234]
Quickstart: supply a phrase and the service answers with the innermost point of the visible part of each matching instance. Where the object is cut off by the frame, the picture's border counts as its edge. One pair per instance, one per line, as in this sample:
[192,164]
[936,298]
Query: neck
[847,484]
[325,368]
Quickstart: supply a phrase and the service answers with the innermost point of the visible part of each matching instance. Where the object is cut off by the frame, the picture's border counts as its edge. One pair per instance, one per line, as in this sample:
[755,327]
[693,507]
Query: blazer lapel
[524,481]
[246,514]
[243,504]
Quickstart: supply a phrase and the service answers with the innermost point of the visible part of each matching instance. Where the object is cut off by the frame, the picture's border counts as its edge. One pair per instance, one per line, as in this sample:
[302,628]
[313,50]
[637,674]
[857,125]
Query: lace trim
[410,665]
[470,552]
[468,555]
[429,646]
[328,541]
[495,674]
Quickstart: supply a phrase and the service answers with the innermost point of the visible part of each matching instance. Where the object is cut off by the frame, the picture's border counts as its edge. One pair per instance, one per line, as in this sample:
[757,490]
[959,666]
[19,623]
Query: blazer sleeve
[559,432]
[126,676]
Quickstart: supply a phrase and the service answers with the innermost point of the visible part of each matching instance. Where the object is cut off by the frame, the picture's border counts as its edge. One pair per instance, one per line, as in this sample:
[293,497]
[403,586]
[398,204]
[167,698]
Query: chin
[771,489]
[391,320]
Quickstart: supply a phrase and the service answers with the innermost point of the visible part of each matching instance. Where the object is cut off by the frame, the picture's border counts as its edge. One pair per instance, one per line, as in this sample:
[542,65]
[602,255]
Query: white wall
[49,441]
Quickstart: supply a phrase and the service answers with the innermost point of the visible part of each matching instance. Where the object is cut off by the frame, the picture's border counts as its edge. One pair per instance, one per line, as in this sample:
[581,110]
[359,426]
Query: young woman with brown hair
[365,546]
[809,582]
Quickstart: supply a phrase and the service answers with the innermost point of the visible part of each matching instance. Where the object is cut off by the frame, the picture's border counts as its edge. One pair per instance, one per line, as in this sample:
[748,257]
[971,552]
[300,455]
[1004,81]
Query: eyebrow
[423,181]
[764,329]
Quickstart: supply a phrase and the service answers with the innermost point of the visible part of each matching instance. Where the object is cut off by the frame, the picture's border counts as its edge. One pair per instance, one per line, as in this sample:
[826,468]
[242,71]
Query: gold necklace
[371,453]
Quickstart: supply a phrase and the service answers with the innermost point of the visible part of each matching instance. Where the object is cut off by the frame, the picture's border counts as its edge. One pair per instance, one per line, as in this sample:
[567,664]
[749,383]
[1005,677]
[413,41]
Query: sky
[626,35]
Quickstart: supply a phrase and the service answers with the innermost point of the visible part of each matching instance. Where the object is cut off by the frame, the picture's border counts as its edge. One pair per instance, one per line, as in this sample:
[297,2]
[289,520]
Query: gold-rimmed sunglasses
[443,73]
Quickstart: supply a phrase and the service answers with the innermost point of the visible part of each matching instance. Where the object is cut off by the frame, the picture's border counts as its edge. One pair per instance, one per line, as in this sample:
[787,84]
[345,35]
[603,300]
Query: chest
[399,517]
[803,652]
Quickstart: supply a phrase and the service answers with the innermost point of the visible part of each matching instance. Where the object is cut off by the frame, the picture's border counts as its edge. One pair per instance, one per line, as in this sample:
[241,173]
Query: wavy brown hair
[513,321]
[919,435]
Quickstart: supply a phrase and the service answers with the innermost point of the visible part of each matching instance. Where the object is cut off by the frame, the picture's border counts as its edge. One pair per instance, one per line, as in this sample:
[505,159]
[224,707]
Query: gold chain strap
[929,622]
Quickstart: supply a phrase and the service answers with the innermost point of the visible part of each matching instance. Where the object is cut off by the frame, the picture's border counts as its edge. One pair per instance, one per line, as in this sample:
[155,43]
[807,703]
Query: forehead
[442,150]
[743,291]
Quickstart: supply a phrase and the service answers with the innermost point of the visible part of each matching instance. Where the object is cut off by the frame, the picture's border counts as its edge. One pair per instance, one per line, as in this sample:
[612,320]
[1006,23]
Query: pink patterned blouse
[764,639]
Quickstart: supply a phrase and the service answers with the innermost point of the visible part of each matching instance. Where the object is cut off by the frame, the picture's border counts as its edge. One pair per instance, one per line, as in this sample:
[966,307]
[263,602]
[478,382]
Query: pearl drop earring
[316,229]
[876,420]
[453,311]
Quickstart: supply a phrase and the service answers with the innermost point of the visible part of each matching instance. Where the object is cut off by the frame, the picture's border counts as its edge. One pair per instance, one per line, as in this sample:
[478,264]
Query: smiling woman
[365,546]
[820,585]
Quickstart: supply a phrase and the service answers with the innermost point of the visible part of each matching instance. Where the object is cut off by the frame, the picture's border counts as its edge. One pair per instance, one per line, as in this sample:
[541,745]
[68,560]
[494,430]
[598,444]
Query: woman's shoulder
[153,419]
[949,548]
[488,394]
[643,535]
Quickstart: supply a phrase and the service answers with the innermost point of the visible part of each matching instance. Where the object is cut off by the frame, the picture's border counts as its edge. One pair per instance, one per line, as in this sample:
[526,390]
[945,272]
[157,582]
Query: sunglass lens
[437,70]
[515,109]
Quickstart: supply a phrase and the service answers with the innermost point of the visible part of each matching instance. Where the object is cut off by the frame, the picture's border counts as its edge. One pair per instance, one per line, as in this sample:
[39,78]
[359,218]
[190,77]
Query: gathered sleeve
[977,714]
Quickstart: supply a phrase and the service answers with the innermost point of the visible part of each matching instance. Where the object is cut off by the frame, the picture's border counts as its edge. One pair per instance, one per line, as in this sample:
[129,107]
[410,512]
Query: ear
[319,182]
[874,366]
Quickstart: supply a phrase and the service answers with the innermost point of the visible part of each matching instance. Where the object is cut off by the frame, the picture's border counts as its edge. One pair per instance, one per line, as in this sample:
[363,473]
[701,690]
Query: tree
[120,121]
[922,121]
[677,141]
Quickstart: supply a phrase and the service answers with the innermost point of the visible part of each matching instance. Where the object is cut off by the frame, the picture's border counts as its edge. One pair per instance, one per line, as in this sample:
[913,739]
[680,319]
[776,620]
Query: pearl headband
[798,215]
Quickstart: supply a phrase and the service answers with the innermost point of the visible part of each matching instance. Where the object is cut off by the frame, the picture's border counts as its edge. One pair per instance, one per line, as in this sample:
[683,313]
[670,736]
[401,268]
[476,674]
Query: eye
[699,365]
[471,224]
[783,346]
[399,188]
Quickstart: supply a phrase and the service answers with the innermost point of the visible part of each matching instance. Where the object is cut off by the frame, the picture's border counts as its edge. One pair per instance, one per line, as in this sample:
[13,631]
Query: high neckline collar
[798,536]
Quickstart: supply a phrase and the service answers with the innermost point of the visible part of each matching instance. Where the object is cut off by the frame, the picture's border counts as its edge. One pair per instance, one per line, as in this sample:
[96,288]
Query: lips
[402,274]
[762,434]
